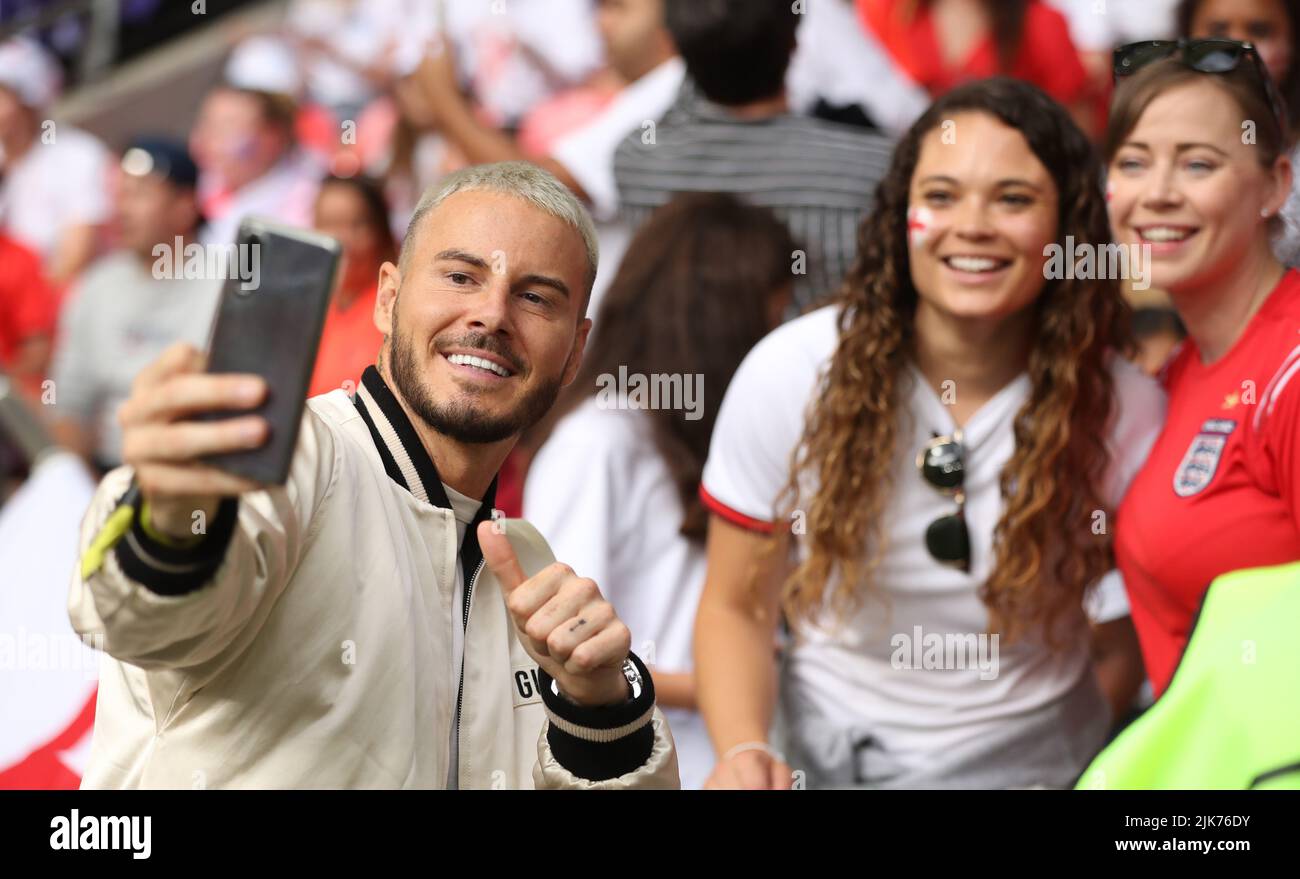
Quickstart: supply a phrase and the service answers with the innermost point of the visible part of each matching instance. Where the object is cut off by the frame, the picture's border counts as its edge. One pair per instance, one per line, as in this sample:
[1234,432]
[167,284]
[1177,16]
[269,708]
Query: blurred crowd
[728,151]
[343,115]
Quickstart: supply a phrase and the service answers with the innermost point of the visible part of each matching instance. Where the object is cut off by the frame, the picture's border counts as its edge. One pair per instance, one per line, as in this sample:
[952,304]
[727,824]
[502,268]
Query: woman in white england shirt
[964,427]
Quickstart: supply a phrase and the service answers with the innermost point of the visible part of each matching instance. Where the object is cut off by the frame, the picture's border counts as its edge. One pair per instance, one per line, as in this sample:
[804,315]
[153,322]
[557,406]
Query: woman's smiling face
[982,210]
[1188,183]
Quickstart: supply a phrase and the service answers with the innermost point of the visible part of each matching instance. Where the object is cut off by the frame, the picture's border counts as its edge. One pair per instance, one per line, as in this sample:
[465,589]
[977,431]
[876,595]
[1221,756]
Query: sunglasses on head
[943,464]
[1204,56]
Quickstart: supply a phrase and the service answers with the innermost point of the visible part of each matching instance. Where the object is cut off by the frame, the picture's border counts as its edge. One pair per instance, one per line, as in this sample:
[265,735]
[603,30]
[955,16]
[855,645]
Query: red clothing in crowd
[1221,488]
[29,307]
[348,344]
[1047,57]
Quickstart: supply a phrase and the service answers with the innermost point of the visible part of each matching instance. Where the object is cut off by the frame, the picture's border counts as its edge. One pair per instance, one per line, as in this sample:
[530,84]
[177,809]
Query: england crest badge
[1202,459]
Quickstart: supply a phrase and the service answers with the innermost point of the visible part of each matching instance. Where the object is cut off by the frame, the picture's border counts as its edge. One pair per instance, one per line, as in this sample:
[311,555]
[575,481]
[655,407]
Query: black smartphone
[277,290]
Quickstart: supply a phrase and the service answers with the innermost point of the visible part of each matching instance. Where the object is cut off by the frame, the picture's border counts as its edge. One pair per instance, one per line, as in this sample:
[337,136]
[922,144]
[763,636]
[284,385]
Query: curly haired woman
[919,480]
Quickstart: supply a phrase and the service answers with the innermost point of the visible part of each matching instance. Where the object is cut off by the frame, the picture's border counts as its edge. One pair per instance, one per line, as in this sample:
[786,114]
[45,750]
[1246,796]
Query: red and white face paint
[920,225]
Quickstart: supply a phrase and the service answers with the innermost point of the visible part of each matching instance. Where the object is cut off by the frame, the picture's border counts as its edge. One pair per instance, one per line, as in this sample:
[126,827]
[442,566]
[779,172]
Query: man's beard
[461,419]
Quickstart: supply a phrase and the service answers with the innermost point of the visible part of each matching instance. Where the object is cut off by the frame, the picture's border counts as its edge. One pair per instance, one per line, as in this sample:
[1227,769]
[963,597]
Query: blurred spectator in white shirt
[129,306]
[615,486]
[637,46]
[513,58]
[53,177]
[244,144]
[839,65]
[511,55]
[346,49]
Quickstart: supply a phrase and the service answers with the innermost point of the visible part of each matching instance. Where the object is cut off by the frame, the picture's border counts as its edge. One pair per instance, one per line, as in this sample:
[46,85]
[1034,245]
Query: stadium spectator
[536,72]
[553,119]
[959,424]
[53,177]
[841,72]
[943,43]
[132,303]
[509,63]
[637,46]
[352,209]
[730,130]
[1221,490]
[1273,26]
[615,487]
[477,674]
[243,142]
[345,50]
[28,310]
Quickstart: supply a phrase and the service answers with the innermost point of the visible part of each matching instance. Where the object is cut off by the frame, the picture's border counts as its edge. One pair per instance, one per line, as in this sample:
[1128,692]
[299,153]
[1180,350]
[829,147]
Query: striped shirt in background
[819,177]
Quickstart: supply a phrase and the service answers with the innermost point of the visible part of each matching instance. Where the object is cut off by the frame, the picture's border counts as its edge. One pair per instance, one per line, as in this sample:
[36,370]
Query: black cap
[163,156]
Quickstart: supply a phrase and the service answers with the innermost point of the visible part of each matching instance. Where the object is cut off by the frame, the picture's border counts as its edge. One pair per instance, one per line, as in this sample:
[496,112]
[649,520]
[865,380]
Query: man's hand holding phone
[165,445]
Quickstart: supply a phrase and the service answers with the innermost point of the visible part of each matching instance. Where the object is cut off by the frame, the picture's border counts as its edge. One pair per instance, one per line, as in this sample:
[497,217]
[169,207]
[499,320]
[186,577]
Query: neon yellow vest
[1230,718]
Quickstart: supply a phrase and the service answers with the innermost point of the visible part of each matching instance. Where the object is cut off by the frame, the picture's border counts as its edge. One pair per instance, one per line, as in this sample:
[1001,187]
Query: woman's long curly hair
[1047,553]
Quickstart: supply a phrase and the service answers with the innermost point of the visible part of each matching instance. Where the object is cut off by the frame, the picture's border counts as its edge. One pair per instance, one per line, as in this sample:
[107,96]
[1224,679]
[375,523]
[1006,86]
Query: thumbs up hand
[564,623]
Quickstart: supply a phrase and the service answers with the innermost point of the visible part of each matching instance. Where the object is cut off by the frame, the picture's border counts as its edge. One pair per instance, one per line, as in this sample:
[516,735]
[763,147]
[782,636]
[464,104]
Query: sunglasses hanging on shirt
[943,465]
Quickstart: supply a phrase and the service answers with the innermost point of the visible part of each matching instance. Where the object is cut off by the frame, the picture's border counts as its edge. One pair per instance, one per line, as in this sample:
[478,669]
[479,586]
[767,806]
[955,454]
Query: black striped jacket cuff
[170,570]
[601,743]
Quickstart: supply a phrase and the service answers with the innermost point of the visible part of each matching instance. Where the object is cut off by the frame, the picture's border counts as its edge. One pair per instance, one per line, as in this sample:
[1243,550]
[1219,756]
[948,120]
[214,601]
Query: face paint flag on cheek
[1110,191]
[920,223]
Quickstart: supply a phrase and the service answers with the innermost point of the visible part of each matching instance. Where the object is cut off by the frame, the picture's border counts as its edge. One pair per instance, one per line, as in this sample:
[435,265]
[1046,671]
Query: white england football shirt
[853,680]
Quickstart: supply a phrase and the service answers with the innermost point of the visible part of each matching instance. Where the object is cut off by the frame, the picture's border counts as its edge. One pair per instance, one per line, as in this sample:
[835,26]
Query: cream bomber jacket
[307,641]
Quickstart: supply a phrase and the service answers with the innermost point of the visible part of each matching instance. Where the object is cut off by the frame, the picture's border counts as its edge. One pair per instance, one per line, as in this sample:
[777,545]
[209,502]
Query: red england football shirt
[1220,490]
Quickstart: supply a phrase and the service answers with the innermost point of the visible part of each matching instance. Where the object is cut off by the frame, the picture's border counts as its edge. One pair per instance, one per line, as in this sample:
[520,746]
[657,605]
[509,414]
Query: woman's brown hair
[694,292]
[1135,93]
[1046,552]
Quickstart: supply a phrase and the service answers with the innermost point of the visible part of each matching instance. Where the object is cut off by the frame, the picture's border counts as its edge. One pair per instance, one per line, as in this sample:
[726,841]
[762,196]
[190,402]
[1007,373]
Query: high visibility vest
[1230,718]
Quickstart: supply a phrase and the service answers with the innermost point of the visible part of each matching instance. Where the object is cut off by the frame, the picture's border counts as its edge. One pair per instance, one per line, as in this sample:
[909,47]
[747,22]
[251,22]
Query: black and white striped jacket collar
[405,459]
